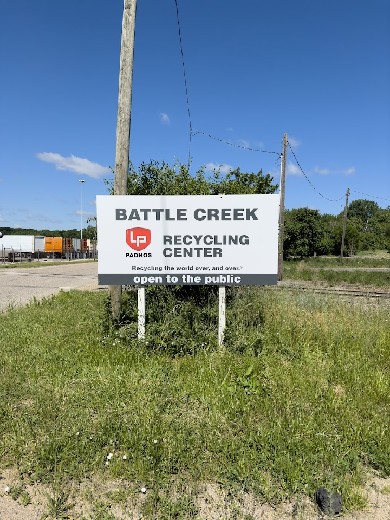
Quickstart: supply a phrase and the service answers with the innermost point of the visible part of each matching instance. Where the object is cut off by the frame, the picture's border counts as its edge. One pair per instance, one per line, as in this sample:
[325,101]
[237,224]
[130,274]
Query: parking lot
[20,285]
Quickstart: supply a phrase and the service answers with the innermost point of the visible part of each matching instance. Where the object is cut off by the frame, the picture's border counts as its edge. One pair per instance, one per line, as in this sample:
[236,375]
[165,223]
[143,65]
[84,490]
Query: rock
[329,503]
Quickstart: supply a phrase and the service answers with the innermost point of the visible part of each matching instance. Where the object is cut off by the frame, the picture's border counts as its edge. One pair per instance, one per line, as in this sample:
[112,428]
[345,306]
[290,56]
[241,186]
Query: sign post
[221,314]
[141,312]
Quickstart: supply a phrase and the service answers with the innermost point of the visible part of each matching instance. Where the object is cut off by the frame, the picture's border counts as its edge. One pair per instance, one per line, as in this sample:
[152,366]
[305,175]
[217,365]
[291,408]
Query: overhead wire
[308,180]
[243,147]
[190,126]
[185,83]
[192,133]
[371,196]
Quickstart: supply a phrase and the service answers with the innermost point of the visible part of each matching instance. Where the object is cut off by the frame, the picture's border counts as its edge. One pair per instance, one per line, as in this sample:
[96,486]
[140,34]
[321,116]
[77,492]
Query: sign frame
[188,239]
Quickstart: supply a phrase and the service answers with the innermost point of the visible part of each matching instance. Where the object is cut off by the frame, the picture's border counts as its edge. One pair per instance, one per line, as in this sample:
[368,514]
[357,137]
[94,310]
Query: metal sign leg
[221,315]
[141,313]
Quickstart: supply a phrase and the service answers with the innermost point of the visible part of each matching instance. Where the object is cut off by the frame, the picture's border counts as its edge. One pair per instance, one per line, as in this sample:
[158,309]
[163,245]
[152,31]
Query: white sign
[188,239]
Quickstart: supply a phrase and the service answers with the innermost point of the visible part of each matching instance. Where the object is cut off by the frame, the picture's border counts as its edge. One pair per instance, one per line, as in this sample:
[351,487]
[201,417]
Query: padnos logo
[138,238]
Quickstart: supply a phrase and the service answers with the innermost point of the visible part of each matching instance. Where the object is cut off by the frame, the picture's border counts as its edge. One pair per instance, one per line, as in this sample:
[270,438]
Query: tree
[364,210]
[329,237]
[156,178]
[380,225]
[91,230]
[353,236]
[372,223]
[303,232]
[236,182]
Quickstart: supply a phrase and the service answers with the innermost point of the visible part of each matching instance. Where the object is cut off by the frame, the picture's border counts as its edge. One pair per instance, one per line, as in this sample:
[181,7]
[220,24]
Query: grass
[377,253]
[41,263]
[320,269]
[353,261]
[304,271]
[298,399]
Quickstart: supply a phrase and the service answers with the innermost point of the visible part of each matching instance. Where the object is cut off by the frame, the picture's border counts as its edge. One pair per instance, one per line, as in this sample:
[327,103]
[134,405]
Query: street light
[81,210]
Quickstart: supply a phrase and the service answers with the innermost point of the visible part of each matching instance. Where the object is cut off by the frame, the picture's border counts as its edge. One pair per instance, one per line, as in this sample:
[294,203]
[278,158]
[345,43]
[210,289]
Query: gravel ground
[212,503]
[20,285]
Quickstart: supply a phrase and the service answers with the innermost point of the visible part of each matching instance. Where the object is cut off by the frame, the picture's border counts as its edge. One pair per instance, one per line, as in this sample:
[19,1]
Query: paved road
[20,285]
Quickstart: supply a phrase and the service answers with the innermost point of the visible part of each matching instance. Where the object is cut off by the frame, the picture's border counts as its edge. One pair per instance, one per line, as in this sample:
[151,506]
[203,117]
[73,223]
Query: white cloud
[74,164]
[84,213]
[294,142]
[327,171]
[244,143]
[223,168]
[322,171]
[164,119]
[260,145]
[247,144]
[293,169]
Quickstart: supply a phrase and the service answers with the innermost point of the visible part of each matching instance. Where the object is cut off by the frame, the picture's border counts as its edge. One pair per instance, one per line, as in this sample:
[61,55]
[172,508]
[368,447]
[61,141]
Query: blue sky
[316,69]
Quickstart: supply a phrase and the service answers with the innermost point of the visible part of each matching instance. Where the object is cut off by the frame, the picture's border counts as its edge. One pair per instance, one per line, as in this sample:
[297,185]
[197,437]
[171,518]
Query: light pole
[81,210]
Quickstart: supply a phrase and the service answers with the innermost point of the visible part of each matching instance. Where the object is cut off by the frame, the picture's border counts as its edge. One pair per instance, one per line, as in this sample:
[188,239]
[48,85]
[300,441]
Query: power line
[308,180]
[185,82]
[191,132]
[371,196]
[199,132]
[323,196]
[250,149]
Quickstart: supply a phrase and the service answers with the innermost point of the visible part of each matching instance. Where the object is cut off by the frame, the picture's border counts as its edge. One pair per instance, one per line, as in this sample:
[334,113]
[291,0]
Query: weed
[180,320]
[298,399]
[101,511]
[158,506]
[58,504]
[19,493]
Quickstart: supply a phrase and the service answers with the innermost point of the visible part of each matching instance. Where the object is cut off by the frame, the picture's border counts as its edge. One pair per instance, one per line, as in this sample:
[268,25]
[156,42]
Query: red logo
[138,238]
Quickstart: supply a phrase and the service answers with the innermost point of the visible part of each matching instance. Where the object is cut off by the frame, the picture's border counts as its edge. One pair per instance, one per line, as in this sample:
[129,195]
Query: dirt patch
[214,504]
[121,500]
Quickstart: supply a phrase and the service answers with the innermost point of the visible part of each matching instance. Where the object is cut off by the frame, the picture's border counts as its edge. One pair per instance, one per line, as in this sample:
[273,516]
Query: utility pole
[122,149]
[281,207]
[344,222]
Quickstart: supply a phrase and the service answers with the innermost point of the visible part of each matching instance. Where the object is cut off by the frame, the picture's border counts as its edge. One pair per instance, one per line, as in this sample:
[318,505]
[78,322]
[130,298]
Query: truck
[21,246]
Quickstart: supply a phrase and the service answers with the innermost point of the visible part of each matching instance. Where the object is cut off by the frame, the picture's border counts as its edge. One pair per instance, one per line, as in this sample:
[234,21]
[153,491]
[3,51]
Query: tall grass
[353,261]
[298,397]
[302,271]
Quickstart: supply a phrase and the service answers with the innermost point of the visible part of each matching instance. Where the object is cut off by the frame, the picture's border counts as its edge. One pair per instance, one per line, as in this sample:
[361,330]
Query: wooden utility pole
[281,207]
[344,223]
[122,149]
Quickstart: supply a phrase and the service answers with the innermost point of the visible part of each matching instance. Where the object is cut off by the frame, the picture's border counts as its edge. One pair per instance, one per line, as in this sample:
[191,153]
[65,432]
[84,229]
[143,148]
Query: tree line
[307,232]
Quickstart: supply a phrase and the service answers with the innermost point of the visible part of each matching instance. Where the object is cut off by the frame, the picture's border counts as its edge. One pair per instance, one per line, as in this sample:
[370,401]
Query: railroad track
[340,291]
